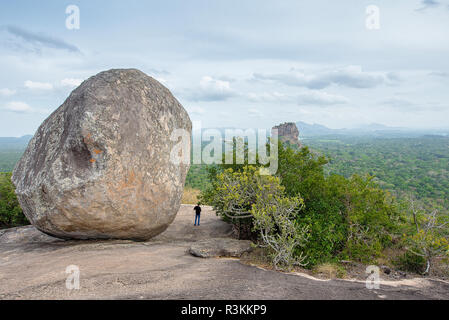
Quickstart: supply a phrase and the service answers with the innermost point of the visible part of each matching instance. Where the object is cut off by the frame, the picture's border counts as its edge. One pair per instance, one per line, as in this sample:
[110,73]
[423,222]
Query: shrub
[11,214]
[274,218]
[373,217]
[429,245]
[430,239]
[344,218]
[256,206]
[233,194]
[411,262]
[301,172]
[352,217]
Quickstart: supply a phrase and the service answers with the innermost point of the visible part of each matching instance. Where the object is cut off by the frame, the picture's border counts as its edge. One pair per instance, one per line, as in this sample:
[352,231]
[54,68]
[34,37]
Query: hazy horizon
[342,128]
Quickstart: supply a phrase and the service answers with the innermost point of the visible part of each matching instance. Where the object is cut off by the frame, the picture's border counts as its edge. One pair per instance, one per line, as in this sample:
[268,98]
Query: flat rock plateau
[33,266]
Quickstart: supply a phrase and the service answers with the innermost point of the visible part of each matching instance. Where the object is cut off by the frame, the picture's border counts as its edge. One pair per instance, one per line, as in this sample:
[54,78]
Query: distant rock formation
[99,166]
[288,133]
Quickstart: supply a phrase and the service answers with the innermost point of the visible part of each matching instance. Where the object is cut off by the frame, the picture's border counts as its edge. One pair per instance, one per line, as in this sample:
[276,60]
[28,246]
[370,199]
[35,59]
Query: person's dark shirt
[197,209]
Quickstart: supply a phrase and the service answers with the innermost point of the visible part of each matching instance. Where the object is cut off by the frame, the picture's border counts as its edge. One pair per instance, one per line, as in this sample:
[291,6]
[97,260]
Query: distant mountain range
[305,130]
[373,129]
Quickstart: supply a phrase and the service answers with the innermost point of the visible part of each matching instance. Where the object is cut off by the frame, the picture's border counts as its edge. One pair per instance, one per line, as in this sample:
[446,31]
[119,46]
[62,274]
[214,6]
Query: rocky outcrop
[99,166]
[288,133]
[220,247]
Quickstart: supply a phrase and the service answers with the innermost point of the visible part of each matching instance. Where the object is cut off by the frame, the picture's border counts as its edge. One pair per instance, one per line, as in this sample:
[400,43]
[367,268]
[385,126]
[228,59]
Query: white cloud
[314,97]
[211,89]
[38,85]
[321,98]
[22,107]
[409,47]
[350,76]
[196,110]
[70,82]
[215,84]
[406,104]
[255,113]
[269,97]
[7,92]
[39,40]
[19,107]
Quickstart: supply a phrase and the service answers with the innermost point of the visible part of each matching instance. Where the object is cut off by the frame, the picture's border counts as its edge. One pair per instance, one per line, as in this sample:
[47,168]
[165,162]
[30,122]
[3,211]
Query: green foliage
[233,194]
[302,174]
[11,214]
[399,165]
[345,217]
[213,171]
[250,200]
[402,165]
[348,206]
[352,217]
[411,262]
[275,219]
[430,238]
[202,176]
[197,177]
[374,218]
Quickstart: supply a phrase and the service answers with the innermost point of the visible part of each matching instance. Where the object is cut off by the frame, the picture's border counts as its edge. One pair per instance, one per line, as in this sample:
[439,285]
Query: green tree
[233,193]
[302,173]
[431,237]
[11,214]
[346,217]
[374,218]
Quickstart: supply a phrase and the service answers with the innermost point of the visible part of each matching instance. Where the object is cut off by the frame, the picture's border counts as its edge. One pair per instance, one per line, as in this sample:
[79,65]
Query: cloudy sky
[236,63]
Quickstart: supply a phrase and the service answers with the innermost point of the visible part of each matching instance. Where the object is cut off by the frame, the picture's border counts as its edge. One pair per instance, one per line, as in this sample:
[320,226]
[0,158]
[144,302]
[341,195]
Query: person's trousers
[197,217]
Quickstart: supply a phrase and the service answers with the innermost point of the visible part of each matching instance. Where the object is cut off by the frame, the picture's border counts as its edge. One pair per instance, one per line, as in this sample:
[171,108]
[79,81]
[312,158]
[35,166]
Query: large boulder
[100,167]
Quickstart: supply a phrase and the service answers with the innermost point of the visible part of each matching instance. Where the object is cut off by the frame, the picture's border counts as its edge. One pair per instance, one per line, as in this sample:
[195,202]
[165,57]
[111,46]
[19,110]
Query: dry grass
[259,257]
[440,269]
[330,270]
[190,196]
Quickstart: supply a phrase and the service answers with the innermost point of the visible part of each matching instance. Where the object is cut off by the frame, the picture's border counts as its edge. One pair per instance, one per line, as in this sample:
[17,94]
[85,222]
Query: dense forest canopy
[405,166]
[417,167]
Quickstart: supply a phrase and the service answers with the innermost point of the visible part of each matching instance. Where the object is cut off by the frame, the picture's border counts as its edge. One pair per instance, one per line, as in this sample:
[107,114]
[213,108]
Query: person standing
[197,213]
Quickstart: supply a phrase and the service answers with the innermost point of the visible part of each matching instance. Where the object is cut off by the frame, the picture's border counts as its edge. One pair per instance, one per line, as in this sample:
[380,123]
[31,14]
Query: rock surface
[288,132]
[99,166]
[220,247]
[162,268]
[27,234]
